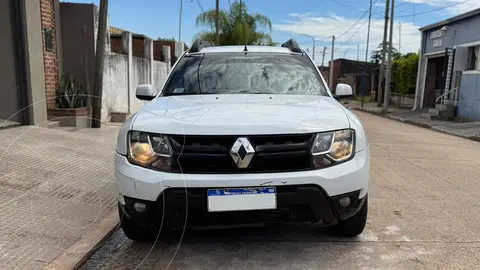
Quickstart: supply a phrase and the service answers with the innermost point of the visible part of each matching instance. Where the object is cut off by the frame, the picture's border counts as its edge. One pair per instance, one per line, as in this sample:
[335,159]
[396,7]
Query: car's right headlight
[149,150]
[333,147]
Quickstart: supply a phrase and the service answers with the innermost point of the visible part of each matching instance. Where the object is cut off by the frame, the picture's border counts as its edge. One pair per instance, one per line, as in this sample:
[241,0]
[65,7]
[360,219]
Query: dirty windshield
[240,73]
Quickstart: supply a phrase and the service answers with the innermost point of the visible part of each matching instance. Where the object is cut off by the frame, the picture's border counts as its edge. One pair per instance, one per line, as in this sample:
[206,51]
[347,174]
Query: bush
[404,73]
[70,94]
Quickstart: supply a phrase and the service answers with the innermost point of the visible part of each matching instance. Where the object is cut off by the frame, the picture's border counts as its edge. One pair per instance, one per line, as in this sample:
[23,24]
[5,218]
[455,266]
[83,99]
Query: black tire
[354,225]
[137,232]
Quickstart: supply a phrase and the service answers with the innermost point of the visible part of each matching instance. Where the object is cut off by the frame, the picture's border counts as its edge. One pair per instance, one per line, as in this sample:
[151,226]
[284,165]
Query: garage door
[9,103]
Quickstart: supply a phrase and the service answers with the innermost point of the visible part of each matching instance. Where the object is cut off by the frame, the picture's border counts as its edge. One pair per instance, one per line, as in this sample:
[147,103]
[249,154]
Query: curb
[423,125]
[78,253]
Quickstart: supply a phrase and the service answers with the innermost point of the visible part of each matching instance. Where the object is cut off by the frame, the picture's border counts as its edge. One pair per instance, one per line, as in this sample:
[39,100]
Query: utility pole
[99,59]
[180,22]
[384,50]
[358,51]
[399,36]
[364,87]
[323,57]
[243,25]
[389,64]
[217,10]
[330,73]
[313,39]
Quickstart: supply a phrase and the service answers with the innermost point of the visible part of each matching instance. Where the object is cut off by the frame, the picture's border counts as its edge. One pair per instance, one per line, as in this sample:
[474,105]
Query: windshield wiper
[182,94]
[252,92]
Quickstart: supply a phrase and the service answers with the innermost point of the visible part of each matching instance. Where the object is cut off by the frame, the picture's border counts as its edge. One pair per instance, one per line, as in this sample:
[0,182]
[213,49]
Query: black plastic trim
[310,202]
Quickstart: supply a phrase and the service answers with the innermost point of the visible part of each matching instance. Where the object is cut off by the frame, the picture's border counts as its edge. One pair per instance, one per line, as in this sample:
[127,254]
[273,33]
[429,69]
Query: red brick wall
[49,57]
[116,45]
[138,47]
[158,50]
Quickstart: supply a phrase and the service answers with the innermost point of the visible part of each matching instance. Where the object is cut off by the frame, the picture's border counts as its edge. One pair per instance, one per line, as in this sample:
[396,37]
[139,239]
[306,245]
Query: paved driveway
[424,213]
[53,186]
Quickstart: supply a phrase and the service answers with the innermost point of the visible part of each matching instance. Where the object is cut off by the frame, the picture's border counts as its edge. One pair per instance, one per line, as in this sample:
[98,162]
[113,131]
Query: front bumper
[145,184]
[179,206]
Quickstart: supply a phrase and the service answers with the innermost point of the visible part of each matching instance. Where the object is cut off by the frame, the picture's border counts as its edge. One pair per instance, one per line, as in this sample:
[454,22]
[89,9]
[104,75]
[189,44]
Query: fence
[124,72]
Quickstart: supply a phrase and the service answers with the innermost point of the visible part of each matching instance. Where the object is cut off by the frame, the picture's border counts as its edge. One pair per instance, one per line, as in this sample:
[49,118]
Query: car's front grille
[211,154]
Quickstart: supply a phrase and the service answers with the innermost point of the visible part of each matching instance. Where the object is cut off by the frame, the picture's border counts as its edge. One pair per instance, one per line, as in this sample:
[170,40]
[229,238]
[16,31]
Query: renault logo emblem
[242,152]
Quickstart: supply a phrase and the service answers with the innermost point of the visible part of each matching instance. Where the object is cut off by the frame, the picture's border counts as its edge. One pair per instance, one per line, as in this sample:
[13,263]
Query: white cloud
[322,28]
[454,6]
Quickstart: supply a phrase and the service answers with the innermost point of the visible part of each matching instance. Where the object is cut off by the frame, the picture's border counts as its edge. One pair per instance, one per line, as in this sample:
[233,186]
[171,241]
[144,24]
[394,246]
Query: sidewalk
[469,130]
[56,187]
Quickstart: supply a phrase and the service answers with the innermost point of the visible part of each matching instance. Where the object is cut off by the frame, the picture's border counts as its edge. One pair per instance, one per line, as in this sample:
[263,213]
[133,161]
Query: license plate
[241,199]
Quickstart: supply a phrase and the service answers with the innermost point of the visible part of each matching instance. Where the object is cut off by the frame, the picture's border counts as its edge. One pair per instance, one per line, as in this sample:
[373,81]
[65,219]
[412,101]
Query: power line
[361,17]
[200,6]
[345,6]
[433,10]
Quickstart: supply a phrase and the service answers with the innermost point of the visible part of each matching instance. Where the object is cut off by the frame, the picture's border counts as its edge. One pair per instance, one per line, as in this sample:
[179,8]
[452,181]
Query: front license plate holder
[241,199]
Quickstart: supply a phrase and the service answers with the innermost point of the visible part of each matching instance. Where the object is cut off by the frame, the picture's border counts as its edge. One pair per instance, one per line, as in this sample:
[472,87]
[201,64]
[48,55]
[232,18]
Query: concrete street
[424,214]
[54,185]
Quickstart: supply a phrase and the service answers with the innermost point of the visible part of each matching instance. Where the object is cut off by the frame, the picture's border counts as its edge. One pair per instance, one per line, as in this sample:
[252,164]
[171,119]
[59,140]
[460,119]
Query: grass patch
[366,99]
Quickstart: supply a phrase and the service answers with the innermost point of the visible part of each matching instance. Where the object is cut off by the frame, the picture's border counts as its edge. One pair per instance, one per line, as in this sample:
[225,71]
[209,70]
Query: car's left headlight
[149,150]
[333,147]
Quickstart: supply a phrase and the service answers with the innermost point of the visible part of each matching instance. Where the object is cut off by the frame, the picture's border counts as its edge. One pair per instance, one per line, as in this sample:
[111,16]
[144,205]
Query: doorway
[434,81]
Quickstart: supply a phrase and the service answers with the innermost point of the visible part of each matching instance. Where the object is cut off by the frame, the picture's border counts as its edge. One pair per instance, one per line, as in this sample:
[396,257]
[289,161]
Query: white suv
[242,134]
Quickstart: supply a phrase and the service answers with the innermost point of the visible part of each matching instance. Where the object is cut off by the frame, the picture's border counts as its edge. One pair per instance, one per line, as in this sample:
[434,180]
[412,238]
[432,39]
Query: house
[449,69]
[45,39]
[351,72]
[31,59]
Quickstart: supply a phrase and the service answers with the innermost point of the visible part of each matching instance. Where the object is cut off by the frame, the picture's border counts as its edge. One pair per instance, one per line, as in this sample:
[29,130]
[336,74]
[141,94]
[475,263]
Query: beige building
[31,59]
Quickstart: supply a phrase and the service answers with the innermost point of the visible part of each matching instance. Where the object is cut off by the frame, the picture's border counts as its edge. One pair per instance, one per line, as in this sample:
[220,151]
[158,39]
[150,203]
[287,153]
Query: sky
[346,19]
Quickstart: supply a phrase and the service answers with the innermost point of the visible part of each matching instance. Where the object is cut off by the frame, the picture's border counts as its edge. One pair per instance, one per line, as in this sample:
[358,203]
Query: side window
[473,62]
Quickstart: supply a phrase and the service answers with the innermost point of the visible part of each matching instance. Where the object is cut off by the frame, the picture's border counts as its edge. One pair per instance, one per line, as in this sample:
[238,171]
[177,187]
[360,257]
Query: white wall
[115,82]
[115,85]
[141,75]
[159,75]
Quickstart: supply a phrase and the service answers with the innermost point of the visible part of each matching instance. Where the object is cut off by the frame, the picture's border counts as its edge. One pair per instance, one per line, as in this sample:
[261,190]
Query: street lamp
[313,39]
[345,54]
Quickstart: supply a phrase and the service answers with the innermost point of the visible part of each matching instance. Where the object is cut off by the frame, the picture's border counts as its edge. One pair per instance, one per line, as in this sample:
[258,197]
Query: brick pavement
[53,186]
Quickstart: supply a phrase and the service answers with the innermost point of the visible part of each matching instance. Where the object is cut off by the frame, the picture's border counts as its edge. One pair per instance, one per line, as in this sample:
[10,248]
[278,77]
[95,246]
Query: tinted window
[239,73]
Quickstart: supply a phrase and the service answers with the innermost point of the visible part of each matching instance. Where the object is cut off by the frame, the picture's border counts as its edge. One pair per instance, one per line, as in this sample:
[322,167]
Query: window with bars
[473,62]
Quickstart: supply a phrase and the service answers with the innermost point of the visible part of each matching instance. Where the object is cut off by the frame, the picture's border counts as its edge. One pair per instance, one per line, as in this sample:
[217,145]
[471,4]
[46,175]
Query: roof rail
[292,45]
[199,44]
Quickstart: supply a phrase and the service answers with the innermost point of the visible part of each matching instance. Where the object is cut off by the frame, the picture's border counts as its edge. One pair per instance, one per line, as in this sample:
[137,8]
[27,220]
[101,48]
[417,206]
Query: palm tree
[237,27]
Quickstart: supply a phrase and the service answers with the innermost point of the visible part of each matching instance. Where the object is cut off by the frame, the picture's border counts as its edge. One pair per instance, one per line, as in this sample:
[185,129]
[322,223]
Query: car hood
[240,114]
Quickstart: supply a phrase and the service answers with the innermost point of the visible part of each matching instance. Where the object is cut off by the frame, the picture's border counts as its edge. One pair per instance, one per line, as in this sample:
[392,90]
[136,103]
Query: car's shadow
[199,246]
[286,232]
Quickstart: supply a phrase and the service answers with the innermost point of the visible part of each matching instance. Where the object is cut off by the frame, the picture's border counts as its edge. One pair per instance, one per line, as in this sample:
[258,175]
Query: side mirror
[145,92]
[343,91]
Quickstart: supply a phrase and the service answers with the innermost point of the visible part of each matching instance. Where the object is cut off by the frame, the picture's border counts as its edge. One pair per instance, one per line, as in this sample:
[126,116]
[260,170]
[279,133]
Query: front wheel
[354,225]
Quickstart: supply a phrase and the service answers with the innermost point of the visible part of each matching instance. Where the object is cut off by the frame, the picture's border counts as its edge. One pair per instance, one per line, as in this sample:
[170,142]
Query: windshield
[240,73]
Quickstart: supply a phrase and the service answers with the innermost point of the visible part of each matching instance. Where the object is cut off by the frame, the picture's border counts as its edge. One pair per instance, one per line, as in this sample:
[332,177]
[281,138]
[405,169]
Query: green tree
[376,56]
[237,26]
[404,73]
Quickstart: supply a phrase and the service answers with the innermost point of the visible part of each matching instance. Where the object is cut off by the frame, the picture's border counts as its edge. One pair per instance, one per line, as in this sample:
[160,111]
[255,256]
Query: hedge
[404,73]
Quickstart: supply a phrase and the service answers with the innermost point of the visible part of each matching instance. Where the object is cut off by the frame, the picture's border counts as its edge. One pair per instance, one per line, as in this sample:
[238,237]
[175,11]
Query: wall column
[148,43]
[127,49]
[35,70]
[168,57]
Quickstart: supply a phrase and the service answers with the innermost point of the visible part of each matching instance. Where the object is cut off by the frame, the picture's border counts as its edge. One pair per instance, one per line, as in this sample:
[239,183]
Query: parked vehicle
[242,134]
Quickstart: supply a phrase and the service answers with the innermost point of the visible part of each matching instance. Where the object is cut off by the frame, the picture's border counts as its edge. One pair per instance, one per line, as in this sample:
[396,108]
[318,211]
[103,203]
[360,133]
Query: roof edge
[451,19]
